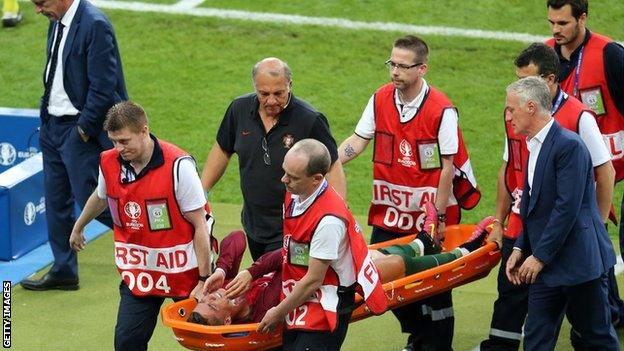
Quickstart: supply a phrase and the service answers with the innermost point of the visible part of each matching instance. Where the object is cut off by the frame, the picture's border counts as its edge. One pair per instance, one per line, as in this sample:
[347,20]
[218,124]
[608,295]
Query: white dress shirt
[187,185]
[590,134]
[329,241]
[534,145]
[59,103]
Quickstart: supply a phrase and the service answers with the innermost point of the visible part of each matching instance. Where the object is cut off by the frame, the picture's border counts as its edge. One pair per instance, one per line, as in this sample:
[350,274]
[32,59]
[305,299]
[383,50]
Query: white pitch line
[316,21]
[188,4]
[186,7]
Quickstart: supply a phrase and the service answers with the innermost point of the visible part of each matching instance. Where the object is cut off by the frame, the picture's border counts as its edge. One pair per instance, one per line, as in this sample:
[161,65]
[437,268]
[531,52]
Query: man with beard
[592,70]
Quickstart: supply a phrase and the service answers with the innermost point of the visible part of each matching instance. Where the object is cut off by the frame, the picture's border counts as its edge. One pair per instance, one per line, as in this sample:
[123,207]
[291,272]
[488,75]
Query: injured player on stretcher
[232,297]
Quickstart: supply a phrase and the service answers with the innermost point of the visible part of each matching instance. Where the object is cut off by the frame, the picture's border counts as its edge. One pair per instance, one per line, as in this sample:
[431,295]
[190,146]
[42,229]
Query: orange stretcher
[243,337]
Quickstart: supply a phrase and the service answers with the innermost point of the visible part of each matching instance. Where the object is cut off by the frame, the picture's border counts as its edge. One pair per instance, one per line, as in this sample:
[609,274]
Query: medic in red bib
[324,257]
[161,222]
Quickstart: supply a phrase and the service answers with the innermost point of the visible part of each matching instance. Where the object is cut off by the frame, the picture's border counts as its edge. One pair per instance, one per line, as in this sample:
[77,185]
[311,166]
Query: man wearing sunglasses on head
[418,149]
[260,128]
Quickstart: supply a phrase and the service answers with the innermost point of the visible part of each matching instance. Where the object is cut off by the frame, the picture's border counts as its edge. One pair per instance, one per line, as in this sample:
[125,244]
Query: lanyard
[558,101]
[578,72]
[294,203]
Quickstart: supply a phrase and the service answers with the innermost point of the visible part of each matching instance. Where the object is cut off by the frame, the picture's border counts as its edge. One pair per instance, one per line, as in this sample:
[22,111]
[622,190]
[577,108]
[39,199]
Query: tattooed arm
[351,148]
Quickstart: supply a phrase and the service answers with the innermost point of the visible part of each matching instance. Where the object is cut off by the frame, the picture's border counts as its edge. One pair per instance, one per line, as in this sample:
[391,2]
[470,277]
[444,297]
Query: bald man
[260,128]
[324,257]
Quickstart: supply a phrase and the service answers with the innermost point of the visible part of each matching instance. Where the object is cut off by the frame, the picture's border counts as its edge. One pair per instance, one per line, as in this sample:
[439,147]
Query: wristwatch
[82,133]
[442,217]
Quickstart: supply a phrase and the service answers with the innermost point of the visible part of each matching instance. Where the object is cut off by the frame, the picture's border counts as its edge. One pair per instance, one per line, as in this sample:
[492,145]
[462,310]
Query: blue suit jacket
[92,73]
[561,222]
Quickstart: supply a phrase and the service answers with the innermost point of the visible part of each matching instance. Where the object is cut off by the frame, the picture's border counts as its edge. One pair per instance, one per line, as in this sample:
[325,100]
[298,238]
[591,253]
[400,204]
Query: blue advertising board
[22,209]
[19,135]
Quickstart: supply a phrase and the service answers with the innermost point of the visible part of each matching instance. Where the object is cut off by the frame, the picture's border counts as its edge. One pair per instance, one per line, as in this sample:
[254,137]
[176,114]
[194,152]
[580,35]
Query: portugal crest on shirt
[288,140]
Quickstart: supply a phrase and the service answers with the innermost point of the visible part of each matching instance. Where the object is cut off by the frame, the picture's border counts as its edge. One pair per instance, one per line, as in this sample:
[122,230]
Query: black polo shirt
[613,63]
[241,132]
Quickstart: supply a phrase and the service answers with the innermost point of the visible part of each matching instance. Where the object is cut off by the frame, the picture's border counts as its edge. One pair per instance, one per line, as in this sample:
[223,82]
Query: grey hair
[277,68]
[532,89]
[319,159]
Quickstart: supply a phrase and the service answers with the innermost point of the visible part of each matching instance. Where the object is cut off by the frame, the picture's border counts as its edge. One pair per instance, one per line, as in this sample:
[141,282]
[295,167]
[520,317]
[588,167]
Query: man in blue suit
[83,78]
[564,251]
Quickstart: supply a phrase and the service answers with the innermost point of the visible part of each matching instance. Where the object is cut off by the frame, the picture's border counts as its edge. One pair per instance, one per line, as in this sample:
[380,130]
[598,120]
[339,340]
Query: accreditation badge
[592,97]
[158,214]
[298,253]
[429,154]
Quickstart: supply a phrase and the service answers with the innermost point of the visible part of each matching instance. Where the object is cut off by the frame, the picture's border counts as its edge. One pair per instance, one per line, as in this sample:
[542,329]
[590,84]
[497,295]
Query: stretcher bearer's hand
[270,321]
[239,285]
[77,240]
[440,234]
[197,290]
[496,235]
[214,282]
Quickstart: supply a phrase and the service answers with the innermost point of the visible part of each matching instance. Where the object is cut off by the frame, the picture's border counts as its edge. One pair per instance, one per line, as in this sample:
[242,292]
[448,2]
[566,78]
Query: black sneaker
[11,19]
[479,234]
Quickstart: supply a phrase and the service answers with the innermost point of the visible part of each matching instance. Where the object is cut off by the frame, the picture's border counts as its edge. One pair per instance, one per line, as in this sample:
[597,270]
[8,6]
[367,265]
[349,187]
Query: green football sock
[418,264]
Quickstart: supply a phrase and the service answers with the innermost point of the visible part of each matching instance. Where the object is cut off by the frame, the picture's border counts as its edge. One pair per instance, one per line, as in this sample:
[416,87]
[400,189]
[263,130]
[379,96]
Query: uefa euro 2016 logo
[30,213]
[405,148]
[132,209]
[7,154]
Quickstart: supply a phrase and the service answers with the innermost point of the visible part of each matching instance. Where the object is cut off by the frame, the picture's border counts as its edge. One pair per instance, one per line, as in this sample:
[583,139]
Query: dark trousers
[70,168]
[616,305]
[587,309]
[302,340]
[510,308]
[136,320]
[258,249]
[430,322]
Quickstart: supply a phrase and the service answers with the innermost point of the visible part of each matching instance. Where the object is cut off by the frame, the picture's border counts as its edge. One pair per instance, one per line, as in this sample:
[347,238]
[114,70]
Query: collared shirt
[188,189]
[129,175]
[534,145]
[447,135]
[329,239]
[242,132]
[588,131]
[614,68]
[59,103]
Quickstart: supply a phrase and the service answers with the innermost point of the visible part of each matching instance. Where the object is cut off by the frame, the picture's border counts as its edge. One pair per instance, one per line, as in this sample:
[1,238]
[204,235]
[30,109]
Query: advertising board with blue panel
[22,209]
[22,202]
[24,247]
[19,135]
